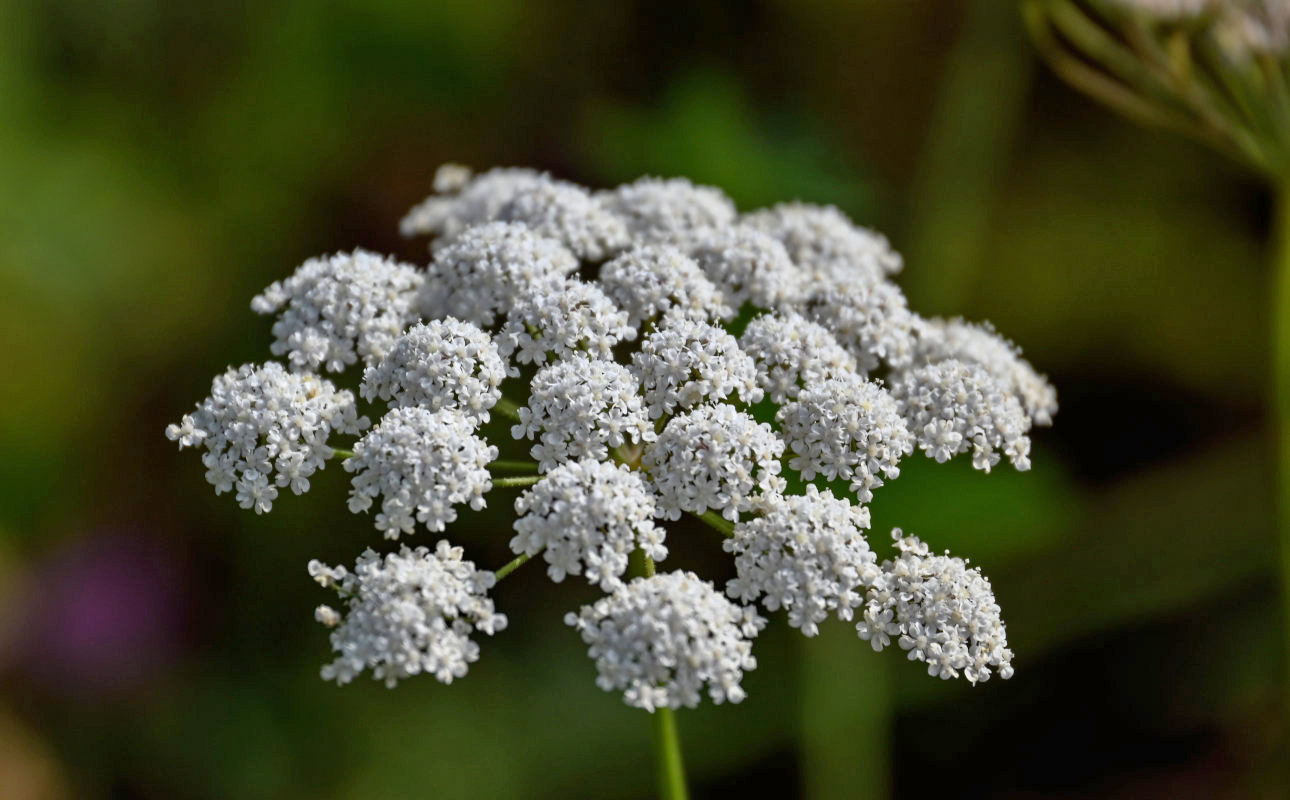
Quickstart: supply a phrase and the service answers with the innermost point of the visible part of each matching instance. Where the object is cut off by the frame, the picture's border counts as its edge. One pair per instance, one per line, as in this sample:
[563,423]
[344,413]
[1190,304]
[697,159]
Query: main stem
[667,742]
[1281,395]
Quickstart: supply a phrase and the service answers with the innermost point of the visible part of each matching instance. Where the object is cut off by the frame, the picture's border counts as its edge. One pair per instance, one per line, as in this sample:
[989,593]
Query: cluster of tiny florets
[264,427]
[657,354]
[444,363]
[407,613]
[663,640]
[953,408]
[940,611]
[338,309]
[805,554]
[687,361]
[848,428]
[791,352]
[714,458]
[581,406]
[422,464]
[586,517]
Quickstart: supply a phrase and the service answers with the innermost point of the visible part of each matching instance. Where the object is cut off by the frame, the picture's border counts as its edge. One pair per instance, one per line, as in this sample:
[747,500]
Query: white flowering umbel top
[656,356]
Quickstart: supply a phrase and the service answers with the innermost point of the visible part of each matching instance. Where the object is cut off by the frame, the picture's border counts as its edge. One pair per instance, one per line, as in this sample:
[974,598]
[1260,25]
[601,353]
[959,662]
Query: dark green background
[162,162]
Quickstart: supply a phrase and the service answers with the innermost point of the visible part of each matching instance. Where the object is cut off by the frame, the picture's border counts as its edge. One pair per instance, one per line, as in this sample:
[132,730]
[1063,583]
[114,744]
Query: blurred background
[162,162]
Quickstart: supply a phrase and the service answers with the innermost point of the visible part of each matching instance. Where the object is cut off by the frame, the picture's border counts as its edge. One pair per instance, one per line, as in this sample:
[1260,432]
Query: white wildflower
[663,640]
[560,317]
[409,613]
[658,210]
[651,280]
[981,344]
[567,213]
[940,611]
[805,554]
[462,200]
[422,464]
[871,319]
[748,264]
[338,309]
[582,406]
[847,428]
[263,428]
[790,352]
[952,408]
[444,363]
[713,458]
[823,242]
[481,274]
[687,361]
[585,517]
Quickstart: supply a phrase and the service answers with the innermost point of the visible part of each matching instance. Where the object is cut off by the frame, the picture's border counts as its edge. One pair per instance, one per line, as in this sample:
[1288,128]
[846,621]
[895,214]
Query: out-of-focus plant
[667,356]
[1217,71]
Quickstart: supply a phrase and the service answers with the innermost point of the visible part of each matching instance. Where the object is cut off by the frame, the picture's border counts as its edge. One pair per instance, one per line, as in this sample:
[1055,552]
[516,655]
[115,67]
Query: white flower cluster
[407,613]
[805,554]
[661,640]
[847,428]
[422,464]
[651,280]
[790,352]
[581,406]
[687,361]
[602,324]
[445,363]
[262,422]
[341,308]
[585,517]
[941,612]
[487,269]
[560,317]
[952,408]
[713,458]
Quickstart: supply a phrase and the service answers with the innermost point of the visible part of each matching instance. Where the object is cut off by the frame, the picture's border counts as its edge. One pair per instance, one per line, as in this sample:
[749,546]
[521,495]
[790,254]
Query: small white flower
[659,210]
[748,264]
[445,363]
[686,361]
[582,406]
[952,408]
[940,611]
[262,422]
[567,213]
[585,517]
[872,319]
[827,245]
[651,280]
[338,309]
[713,458]
[805,554]
[485,269]
[422,464]
[846,428]
[409,613]
[980,344]
[663,640]
[559,317]
[791,352]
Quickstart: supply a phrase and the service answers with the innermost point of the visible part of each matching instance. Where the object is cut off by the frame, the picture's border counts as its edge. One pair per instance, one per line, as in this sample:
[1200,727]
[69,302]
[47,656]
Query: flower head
[651,280]
[462,200]
[827,245]
[560,317]
[663,640]
[792,352]
[686,361]
[660,210]
[407,613]
[750,265]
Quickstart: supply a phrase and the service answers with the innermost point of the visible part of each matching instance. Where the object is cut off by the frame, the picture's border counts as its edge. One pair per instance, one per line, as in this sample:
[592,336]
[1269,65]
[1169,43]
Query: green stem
[714,520]
[1281,388]
[508,408]
[667,742]
[511,566]
[517,480]
[337,452]
[513,466]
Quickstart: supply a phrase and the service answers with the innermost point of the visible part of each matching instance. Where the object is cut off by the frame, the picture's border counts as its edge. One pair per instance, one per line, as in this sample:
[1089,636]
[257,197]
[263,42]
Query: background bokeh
[162,162]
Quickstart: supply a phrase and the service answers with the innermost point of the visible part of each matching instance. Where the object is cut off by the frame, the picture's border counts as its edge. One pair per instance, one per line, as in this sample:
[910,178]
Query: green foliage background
[160,163]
